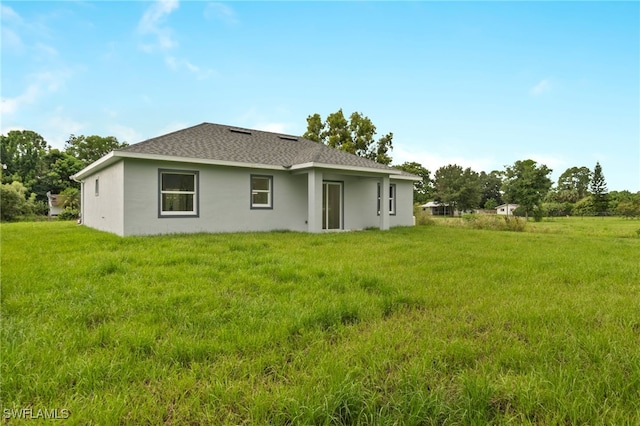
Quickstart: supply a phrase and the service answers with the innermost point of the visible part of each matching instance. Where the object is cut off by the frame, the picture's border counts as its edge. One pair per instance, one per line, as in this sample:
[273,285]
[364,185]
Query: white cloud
[7,14]
[124,133]
[271,127]
[552,161]
[176,64]
[152,22]
[10,39]
[221,12]
[432,161]
[46,49]
[253,119]
[170,128]
[43,83]
[58,126]
[542,87]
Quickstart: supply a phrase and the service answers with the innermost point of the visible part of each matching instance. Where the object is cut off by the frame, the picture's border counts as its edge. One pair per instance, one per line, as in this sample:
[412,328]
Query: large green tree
[490,185]
[91,148]
[59,166]
[599,191]
[573,185]
[575,179]
[422,189]
[459,188]
[526,183]
[355,135]
[22,153]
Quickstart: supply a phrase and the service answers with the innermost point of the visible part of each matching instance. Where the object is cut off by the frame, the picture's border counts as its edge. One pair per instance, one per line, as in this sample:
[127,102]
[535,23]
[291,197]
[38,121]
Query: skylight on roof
[288,138]
[243,131]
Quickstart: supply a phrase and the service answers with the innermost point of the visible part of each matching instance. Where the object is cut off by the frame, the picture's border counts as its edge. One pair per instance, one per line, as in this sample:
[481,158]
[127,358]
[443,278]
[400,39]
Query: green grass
[425,325]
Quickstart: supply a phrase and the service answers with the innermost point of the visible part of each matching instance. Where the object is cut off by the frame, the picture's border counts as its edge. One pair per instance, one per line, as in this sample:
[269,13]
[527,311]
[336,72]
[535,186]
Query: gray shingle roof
[226,143]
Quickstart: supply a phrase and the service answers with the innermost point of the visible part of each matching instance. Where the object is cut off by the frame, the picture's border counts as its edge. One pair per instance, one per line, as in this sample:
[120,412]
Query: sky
[478,84]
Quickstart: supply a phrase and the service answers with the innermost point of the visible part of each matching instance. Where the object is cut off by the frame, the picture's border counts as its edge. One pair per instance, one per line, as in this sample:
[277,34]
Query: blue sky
[479,84]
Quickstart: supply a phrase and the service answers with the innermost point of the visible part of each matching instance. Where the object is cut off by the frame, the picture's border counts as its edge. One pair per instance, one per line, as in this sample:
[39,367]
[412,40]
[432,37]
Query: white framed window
[178,193]
[261,192]
[391,200]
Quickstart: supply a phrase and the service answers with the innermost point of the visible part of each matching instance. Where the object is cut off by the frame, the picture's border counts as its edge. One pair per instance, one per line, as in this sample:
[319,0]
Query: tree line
[579,190]
[31,168]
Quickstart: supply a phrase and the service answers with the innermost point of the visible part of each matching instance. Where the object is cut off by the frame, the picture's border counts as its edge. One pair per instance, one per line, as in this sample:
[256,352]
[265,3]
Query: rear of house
[209,178]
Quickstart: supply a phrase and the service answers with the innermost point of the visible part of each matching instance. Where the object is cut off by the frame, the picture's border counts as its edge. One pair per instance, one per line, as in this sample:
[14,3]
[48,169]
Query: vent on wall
[288,138]
[236,130]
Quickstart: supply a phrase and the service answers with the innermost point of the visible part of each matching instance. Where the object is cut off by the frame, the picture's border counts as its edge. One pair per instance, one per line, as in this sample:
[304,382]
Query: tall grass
[425,325]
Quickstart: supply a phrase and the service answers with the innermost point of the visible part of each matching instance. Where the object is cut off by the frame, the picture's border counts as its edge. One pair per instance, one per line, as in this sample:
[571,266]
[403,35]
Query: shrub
[628,209]
[423,218]
[69,213]
[494,222]
[14,201]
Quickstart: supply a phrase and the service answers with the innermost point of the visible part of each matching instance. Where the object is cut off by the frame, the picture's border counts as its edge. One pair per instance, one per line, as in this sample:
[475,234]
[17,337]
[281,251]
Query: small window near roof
[97,186]
[261,192]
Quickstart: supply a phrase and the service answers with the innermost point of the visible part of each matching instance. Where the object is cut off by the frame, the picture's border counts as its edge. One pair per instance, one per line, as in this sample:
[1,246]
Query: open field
[425,325]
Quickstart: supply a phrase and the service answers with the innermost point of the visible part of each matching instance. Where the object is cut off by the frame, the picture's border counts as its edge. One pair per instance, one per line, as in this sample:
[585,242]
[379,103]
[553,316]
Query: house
[435,208]
[55,204]
[506,209]
[217,178]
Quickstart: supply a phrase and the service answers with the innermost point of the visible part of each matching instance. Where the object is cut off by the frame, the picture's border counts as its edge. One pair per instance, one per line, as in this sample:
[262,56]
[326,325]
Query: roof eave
[115,156]
[339,167]
[97,165]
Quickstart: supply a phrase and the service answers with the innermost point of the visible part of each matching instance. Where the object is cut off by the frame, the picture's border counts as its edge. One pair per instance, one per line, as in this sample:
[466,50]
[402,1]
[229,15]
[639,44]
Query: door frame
[325,198]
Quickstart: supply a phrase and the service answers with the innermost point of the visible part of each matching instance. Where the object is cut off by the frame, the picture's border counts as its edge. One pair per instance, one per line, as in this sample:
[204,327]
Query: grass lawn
[425,325]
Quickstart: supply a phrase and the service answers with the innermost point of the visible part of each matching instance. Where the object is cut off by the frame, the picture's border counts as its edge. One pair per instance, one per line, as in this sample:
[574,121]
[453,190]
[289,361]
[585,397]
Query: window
[392,199]
[97,186]
[178,193]
[261,192]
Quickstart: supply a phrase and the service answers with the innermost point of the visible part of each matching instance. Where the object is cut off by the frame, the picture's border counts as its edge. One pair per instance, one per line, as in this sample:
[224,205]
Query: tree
[573,185]
[422,189]
[355,135]
[584,207]
[22,153]
[458,188]
[599,191]
[59,166]
[617,197]
[575,179]
[490,185]
[526,184]
[15,201]
[91,148]
[628,209]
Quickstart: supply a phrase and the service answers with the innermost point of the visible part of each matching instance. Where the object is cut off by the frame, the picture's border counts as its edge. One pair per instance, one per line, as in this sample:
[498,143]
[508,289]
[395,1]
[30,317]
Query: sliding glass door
[332,205]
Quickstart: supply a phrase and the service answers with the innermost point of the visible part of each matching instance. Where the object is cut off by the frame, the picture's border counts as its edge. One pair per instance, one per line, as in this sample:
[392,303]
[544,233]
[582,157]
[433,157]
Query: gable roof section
[226,145]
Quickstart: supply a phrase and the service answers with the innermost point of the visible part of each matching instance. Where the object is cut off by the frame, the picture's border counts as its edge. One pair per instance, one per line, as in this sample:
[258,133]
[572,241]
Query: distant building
[55,204]
[435,208]
[506,209]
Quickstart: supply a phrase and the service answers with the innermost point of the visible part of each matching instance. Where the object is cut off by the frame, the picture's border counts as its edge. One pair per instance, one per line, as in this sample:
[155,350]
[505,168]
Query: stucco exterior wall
[127,203]
[404,203]
[224,200]
[104,211]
